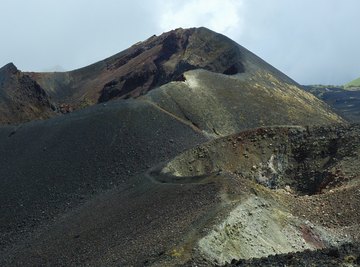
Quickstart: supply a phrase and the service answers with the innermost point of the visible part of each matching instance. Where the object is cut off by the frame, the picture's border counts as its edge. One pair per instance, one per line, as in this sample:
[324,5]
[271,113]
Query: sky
[312,41]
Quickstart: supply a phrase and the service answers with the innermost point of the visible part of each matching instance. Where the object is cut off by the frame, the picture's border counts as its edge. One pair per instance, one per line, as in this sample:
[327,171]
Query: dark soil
[344,255]
[48,168]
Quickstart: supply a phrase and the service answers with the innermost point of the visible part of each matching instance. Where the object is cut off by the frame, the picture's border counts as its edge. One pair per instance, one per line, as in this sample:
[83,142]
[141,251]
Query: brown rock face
[144,66]
[164,59]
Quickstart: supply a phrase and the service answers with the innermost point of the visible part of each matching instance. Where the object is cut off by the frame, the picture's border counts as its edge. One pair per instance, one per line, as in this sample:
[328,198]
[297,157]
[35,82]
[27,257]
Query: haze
[311,41]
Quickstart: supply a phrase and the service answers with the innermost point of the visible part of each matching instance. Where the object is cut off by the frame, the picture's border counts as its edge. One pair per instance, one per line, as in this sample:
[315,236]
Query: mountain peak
[166,57]
[9,68]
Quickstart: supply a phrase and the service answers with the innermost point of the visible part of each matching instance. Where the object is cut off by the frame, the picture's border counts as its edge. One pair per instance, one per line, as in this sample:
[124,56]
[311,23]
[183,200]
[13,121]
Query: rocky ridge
[21,98]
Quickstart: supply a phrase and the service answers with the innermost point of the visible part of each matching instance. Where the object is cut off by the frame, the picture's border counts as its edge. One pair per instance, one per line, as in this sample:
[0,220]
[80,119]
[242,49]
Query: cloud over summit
[221,16]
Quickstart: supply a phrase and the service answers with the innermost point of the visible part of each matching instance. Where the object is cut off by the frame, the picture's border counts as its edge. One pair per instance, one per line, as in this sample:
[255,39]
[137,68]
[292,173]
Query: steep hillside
[48,168]
[21,98]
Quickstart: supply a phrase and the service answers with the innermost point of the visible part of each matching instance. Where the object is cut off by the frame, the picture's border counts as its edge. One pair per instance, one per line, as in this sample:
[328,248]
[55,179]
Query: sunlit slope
[220,104]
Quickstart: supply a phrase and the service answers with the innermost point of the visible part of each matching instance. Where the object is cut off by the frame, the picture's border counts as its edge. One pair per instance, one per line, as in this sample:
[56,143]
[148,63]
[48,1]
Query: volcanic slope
[246,90]
[253,194]
[220,105]
[149,64]
[21,98]
[207,79]
[50,167]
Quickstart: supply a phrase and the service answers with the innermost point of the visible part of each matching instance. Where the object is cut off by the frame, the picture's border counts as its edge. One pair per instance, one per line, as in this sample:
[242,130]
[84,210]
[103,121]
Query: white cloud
[224,16]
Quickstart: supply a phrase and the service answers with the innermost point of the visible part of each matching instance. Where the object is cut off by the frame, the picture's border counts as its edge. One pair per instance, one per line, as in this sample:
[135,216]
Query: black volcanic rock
[344,255]
[8,69]
[21,98]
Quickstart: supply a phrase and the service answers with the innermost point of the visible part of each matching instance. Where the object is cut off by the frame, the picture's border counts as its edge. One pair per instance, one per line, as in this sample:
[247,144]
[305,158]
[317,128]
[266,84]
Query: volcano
[184,149]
